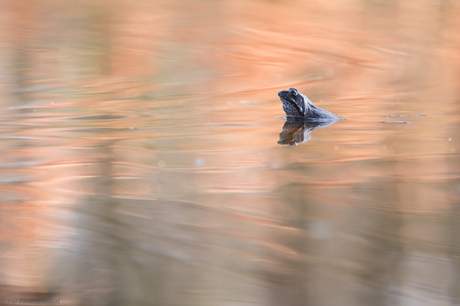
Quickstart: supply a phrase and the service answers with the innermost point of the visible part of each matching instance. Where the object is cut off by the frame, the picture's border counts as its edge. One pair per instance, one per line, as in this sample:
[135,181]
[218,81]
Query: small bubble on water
[161,164]
[384,147]
[199,162]
[52,102]
[319,230]
[450,139]
[35,110]
[131,128]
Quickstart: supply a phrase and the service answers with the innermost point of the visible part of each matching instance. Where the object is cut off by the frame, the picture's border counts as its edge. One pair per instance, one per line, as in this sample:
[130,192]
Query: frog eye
[292,92]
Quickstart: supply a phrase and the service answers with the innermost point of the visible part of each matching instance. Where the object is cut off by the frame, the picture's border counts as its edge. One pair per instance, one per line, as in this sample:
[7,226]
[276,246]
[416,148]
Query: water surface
[140,160]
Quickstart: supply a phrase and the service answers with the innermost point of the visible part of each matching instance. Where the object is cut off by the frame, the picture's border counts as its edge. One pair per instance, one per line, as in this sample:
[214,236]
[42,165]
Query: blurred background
[140,163]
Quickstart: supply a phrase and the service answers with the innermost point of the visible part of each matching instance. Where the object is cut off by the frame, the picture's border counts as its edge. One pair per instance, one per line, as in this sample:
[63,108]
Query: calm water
[141,162]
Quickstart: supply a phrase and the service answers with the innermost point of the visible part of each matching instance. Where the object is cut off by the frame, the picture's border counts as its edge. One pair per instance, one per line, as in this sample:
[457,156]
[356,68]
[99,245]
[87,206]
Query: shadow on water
[298,131]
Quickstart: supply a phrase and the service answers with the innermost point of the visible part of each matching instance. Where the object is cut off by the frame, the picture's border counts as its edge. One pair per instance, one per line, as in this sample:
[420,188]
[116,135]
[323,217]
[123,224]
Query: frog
[297,106]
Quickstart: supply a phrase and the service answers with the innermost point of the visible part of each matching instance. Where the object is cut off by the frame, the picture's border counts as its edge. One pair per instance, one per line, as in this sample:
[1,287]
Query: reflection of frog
[297,105]
[298,131]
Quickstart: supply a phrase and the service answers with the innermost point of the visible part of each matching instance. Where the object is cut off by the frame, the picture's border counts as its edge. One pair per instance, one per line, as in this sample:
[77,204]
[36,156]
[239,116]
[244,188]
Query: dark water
[140,162]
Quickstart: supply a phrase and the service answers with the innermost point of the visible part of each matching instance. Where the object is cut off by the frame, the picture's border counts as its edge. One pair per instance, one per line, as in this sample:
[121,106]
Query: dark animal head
[293,97]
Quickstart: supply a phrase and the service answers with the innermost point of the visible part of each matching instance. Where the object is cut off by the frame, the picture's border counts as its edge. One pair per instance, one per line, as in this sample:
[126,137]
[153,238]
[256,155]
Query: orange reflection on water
[140,160]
